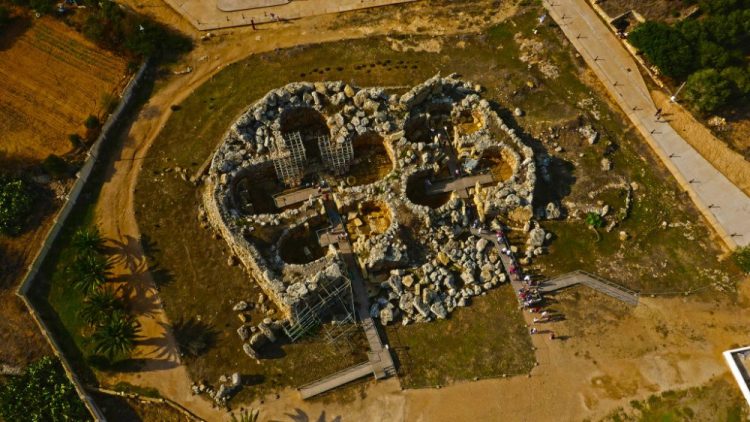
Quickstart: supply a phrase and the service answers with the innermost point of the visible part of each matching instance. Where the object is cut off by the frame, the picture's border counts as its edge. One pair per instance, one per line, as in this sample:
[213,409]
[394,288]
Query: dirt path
[606,355]
[161,368]
[732,164]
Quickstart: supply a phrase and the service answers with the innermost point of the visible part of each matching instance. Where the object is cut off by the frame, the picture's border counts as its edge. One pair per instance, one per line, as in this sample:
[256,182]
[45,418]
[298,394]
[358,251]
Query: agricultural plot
[51,79]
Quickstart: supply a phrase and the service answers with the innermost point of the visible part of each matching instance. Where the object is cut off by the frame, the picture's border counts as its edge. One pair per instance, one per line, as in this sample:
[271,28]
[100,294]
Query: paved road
[725,206]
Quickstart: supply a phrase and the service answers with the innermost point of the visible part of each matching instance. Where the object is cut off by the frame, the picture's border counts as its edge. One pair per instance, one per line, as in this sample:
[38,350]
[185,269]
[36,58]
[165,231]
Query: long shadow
[14,31]
[561,171]
[193,337]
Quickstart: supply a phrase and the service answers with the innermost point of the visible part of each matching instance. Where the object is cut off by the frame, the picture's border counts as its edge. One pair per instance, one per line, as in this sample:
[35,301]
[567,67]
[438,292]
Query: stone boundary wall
[59,222]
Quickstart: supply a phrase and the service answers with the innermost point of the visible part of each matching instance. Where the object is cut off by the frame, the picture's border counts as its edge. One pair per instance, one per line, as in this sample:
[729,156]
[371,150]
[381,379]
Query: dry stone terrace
[299,146]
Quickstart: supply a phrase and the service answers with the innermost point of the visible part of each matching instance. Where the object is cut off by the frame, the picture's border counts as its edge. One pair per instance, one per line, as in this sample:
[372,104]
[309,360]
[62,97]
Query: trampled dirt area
[51,79]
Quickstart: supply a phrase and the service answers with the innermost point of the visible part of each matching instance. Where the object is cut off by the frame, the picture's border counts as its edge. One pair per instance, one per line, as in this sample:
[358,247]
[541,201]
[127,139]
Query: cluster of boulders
[454,270]
[254,337]
[460,270]
[228,387]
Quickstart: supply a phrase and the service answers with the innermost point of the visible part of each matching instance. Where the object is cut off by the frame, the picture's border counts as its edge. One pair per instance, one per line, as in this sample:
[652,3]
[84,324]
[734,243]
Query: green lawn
[487,339]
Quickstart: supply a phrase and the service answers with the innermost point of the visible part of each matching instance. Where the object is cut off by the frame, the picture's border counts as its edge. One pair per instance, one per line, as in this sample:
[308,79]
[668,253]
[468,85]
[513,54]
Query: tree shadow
[14,31]
[193,337]
[300,415]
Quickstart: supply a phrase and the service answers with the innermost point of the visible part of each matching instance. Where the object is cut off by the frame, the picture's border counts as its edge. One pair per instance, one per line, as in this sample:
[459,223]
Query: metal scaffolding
[337,156]
[289,159]
[332,296]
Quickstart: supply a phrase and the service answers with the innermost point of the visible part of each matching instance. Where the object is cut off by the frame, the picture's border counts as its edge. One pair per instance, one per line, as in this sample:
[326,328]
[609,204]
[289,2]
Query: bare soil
[51,79]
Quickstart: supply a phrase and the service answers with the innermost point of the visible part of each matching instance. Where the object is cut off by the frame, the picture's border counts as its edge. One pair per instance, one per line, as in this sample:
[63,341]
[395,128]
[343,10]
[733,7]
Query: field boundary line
[54,231]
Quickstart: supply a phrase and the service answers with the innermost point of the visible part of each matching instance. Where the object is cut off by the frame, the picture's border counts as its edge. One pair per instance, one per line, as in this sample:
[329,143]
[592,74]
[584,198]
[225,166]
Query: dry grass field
[51,79]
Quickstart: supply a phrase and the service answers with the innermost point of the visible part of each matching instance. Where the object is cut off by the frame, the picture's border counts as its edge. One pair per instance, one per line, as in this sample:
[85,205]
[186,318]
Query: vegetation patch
[42,393]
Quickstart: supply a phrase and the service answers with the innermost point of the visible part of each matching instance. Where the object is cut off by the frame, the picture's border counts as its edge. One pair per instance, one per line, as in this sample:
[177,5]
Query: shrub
[594,220]
[16,201]
[55,166]
[742,257]
[707,90]
[42,393]
[75,140]
[665,48]
[92,122]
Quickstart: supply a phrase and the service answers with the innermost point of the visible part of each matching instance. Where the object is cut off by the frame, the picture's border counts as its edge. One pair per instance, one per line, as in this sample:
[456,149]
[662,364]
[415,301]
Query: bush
[16,201]
[117,29]
[594,220]
[742,257]
[42,393]
[55,166]
[75,140]
[708,90]
[92,122]
[664,47]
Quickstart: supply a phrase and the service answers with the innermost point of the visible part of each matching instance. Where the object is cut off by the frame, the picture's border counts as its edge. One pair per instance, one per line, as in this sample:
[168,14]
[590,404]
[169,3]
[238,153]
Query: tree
[594,220]
[665,48]
[55,166]
[91,122]
[740,78]
[707,90]
[741,256]
[87,241]
[116,336]
[98,306]
[16,201]
[88,272]
[42,393]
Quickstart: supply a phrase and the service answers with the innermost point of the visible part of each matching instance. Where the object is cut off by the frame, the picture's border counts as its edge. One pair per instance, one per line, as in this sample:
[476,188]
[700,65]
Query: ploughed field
[51,79]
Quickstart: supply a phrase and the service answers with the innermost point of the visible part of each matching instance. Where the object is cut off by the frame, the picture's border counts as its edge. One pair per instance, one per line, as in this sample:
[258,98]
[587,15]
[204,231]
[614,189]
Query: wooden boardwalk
[593,281]
[459,184]
[338,379]
[380,362]
[295,197]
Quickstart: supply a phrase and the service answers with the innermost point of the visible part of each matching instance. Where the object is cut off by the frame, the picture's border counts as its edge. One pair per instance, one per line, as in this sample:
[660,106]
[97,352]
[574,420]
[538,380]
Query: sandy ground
[732,164]
[157,351]
[609,354]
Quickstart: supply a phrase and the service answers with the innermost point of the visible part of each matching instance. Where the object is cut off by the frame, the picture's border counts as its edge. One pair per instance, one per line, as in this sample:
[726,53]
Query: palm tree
[116,336]
[99,305]
[88,272]
[87,240]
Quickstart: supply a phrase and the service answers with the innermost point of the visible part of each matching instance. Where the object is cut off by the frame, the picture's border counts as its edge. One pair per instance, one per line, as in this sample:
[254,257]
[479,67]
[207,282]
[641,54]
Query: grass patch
[484,340]
[719,400]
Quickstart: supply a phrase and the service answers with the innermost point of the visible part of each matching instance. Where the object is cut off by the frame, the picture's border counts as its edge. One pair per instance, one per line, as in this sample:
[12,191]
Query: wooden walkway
[380,362]
[600,284]
[295,197]
[335,380]
[459,184]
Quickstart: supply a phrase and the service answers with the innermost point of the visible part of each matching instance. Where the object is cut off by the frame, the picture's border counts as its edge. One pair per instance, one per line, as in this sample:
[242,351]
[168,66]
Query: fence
[59,222]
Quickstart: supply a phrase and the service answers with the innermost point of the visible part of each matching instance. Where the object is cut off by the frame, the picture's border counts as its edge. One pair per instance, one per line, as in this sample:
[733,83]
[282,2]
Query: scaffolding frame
[289,159]
[307,314]
[337,155]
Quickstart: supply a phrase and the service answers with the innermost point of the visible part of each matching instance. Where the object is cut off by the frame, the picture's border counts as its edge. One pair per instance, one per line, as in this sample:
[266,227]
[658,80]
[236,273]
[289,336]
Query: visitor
[552,335]
[533,330]
[527,278]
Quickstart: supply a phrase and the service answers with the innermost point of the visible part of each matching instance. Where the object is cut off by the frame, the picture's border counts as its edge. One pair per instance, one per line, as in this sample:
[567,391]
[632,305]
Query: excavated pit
[370,218]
